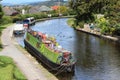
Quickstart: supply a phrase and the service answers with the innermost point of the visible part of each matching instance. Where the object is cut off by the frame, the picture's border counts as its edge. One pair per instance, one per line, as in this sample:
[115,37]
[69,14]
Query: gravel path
[26,65]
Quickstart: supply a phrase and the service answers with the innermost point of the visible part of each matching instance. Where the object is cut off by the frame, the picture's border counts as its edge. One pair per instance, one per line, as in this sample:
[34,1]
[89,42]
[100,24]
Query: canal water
[97,59]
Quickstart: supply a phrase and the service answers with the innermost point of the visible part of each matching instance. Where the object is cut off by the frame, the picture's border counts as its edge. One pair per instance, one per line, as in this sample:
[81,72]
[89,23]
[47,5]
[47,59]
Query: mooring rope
[61,70]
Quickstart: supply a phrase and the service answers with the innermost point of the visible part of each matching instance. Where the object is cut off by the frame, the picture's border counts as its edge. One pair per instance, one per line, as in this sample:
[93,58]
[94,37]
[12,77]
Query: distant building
[44,9]
[23,11]
[55,7]
[37,9]
[9,11]
[34,9]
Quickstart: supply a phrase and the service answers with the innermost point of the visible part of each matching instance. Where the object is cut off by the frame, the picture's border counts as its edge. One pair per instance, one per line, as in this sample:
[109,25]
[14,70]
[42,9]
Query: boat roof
[18,27]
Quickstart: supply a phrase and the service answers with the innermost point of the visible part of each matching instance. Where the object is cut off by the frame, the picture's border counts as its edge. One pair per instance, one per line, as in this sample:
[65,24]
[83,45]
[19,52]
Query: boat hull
[52,66]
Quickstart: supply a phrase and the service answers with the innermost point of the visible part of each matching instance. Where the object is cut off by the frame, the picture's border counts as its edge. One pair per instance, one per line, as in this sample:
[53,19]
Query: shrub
[81,24]
[6,60]
[5,20]
[16,18]
[71,21]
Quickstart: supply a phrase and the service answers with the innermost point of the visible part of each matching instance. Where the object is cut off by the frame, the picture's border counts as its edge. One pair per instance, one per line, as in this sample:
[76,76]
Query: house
[55,7]
[9,11]
[34,9]
[37,9]
[44,9]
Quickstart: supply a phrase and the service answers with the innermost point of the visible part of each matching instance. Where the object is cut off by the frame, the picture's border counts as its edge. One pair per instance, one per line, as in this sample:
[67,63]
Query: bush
[81,24]
[16,18]
[5,20]
[71,21]
[6,60]
[55,15]
[71,12]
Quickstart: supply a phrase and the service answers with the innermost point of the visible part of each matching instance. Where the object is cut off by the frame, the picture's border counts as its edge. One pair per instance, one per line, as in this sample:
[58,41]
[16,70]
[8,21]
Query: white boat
[18,29]
[28,22]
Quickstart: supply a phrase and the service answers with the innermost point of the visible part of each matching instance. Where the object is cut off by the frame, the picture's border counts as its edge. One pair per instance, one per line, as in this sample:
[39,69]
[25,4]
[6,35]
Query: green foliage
[6,20]
[8,70]
[85,9]
[16,18]
[71,21]
[71,11]
[18,75]
[62,10]
[81,24]
[6,60]
[103,24]
[6,73]
[55,15]
[1,12]
[113,15]
[115,30]
[36,16]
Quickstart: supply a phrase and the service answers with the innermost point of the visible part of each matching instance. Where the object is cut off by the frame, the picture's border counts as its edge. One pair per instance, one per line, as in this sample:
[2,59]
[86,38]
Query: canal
[97,59]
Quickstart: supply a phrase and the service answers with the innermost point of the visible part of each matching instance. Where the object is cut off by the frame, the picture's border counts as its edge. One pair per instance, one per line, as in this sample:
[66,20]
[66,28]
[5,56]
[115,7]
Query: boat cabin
[28,22]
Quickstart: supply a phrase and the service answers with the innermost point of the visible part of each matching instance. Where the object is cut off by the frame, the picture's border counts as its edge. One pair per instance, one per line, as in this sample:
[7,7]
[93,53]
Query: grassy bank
[8,70]
[70,22]
[1,29]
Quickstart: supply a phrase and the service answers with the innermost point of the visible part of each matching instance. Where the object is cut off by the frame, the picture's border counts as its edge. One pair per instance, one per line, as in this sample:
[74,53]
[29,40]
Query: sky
[20,1]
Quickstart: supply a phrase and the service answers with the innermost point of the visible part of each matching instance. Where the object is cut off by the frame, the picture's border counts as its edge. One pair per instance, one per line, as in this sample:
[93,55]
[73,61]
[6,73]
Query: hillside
[47,3]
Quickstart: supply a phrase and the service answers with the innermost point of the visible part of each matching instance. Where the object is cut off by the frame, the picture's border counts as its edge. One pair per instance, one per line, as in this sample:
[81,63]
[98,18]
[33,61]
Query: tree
[113,15]
[1,12]
[62,10]
[85,9]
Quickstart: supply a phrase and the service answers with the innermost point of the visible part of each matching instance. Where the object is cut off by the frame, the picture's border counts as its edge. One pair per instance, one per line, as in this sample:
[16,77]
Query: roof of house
[33,10]
[8,10]
[44,8]
[55,7]
[37,9]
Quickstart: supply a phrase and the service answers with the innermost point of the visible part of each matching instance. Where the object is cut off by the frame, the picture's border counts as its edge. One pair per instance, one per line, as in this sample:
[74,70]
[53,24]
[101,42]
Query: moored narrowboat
[18,29]
[28,22]
[49,52]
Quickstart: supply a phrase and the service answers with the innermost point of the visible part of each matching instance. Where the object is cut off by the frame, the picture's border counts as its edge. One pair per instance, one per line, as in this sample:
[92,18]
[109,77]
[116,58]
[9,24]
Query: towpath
[28,66]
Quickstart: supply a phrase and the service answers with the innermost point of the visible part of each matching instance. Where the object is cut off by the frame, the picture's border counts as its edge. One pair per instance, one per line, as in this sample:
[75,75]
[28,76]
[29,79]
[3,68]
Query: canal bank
[98,34]
[97,59]
[27,64]
[38,20]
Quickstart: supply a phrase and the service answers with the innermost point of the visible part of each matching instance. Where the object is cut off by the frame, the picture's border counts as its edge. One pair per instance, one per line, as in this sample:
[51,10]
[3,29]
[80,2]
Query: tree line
[87,9]
[65,11]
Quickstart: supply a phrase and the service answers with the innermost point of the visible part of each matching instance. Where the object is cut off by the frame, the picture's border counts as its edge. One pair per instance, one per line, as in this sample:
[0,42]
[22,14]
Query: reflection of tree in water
[65,76]
[87,58]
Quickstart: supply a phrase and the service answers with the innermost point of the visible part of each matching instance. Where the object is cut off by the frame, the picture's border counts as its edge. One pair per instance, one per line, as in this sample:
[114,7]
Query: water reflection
[97,59]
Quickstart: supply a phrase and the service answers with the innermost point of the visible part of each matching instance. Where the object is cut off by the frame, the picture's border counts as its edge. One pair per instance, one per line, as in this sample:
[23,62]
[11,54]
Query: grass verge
[70,22]
[8,70]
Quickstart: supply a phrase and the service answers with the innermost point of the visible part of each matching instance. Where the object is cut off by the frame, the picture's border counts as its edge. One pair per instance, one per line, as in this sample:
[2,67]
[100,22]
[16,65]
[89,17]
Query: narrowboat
[45,49]
[28,22]
[18,29]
